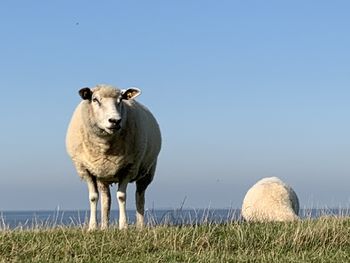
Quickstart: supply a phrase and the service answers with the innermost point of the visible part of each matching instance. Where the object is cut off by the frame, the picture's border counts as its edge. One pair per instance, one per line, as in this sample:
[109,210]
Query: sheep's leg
[105,203]
[140,208]
[141,187]
[121,197]
[93,198]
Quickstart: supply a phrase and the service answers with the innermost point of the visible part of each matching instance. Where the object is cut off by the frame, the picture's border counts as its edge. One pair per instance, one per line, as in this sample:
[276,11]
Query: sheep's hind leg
[141,187]
[140,208]
[105,203]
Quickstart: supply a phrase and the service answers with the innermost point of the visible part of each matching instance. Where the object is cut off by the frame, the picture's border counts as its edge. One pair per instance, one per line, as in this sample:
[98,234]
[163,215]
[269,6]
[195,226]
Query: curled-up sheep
[270,199]
[112,138]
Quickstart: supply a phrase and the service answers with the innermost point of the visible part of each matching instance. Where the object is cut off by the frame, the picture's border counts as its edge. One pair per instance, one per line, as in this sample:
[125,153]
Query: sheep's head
[106,106]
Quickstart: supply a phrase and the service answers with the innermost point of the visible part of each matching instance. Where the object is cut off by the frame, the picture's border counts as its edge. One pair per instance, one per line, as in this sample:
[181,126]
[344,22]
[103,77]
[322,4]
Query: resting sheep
[113,139]
[270,199]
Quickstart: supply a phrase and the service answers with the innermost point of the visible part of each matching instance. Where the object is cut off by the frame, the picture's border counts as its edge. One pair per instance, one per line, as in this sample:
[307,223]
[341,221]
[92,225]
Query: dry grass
[322,240]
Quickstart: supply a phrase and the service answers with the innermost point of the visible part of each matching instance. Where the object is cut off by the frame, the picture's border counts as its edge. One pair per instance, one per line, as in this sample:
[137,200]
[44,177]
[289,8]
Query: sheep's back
[270,200]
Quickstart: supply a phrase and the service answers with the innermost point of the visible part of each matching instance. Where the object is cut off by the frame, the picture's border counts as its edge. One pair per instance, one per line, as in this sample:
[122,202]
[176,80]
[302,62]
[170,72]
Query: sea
[154,217]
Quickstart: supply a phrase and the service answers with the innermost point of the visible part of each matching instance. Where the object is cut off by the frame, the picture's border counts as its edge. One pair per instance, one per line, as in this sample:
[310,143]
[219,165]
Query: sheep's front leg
[121,197]
[93,198]
[105,203]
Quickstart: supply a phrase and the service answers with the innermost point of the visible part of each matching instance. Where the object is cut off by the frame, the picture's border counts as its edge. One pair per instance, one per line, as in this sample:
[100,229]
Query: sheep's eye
[96,100]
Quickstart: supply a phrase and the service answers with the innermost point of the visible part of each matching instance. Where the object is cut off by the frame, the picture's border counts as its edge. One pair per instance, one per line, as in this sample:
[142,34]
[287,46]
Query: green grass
[321,240]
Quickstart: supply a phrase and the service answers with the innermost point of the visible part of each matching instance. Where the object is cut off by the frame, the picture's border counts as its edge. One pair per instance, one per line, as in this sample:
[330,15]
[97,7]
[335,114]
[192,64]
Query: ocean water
[33,219]
[49,219]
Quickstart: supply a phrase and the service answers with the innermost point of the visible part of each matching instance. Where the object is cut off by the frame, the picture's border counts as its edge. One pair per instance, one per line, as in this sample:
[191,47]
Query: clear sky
[241,89]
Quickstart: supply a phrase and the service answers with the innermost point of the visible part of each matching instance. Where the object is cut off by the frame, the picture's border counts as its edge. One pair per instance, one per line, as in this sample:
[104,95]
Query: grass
[312,240]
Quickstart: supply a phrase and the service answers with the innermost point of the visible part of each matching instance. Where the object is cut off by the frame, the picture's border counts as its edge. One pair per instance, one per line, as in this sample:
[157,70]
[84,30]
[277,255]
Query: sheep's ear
[85,93]
[130,93]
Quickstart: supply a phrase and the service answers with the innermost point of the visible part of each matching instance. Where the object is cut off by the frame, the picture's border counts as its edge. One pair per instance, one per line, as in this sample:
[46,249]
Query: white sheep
[270,199]
[113,139]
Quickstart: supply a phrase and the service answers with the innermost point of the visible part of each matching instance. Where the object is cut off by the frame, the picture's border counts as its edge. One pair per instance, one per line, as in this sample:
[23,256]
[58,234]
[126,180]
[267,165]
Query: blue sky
[241,89]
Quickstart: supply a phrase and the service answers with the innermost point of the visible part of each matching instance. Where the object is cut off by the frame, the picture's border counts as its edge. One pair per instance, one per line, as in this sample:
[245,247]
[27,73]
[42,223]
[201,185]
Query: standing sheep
[113,139]
[270,199]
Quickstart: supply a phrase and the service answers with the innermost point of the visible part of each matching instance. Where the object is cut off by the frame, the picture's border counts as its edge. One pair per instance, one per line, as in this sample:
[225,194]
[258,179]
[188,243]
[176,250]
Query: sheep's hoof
[104,227]
[140,226]
[123,226]
[92,228]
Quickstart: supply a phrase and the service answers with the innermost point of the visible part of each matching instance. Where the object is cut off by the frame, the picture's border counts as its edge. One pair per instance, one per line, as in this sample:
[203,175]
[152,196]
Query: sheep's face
[107,106]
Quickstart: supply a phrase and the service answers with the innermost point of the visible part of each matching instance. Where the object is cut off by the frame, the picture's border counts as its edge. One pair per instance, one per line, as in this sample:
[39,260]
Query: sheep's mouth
[112,130]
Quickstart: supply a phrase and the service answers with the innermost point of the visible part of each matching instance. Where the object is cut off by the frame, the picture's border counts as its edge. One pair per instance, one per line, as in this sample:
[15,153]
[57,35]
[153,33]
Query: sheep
[112,138]
[270,199]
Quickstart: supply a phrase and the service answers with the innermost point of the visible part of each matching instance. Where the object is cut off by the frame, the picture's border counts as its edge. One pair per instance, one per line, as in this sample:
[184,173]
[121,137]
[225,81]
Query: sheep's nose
[114,122]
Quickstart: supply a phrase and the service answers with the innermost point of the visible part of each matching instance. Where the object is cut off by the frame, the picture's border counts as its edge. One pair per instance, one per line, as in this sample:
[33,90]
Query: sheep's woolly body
[270,199]
[102,158]
[136,147]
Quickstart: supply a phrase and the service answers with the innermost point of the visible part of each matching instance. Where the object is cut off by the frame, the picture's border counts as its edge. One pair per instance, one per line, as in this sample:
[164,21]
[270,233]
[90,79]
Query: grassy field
[321,240]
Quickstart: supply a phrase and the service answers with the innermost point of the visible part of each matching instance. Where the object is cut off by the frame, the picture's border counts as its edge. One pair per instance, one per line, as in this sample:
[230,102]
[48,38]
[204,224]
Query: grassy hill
[320,240]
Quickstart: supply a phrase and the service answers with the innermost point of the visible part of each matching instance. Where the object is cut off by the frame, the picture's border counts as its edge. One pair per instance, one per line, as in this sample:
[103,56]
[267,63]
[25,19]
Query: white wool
[270,199]
[104,154]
